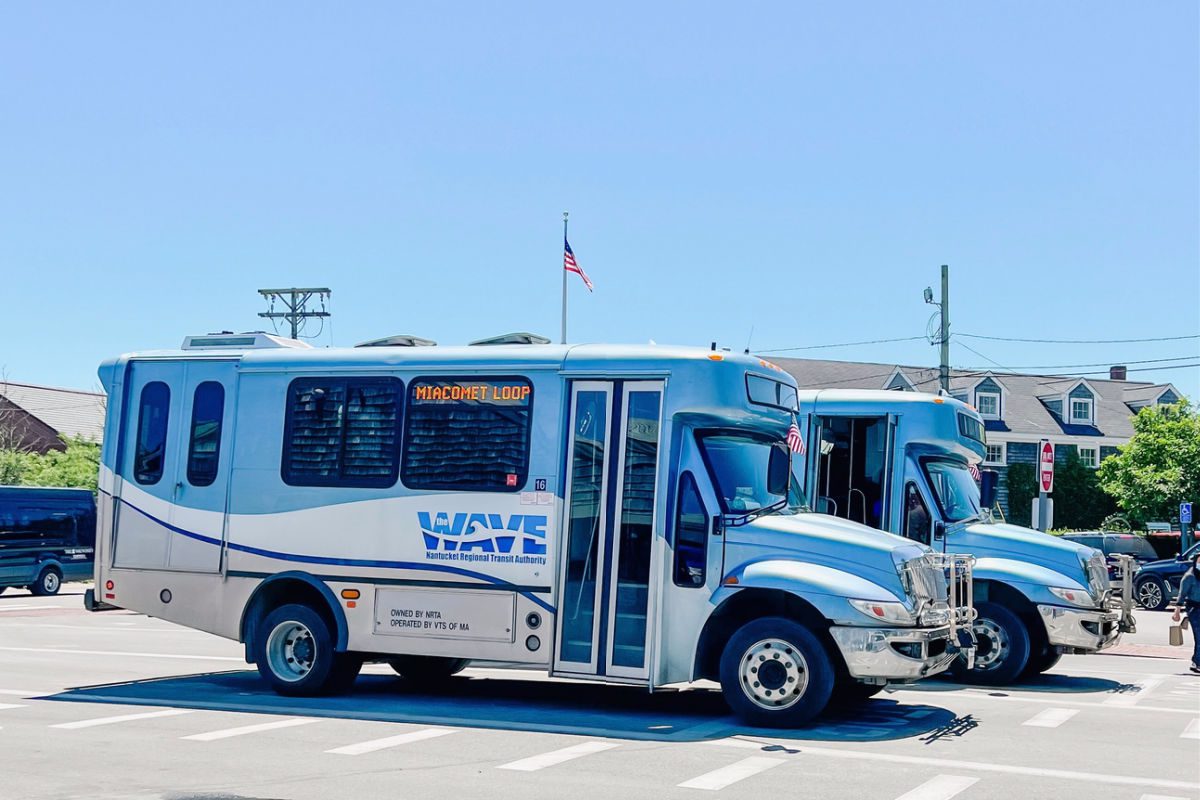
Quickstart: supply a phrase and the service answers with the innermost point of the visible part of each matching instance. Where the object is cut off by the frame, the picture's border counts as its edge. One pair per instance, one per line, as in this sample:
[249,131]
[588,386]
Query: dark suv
[1156,584]
[1113,544]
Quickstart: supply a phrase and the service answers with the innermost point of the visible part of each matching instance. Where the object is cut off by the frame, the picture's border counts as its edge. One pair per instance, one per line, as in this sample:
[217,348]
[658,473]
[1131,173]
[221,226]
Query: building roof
[70,412]
[1025,409]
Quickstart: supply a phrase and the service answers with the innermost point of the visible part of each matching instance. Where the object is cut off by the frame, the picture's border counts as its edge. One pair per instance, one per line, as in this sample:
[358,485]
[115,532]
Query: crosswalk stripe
[1133,697]
[1192,731]
[228,733]
[544,760]
[1051,717]
[1161,797]
[720,778]
[391,741]
[92,723]
[943,787]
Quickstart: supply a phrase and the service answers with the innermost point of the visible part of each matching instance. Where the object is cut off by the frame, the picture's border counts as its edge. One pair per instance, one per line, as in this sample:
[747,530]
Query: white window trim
[1003,454]
[1090,419]
[1079,448]
[999,407]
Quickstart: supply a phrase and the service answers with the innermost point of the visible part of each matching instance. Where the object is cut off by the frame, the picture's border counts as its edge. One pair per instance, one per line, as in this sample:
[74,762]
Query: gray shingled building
[36,417]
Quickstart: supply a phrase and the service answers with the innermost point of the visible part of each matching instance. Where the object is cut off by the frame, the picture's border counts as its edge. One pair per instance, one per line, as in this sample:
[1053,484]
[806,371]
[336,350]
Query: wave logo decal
[495,538]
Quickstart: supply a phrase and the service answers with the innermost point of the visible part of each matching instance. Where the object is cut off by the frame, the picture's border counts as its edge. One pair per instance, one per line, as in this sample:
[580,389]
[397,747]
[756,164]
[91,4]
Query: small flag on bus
[794,440]
[974,470]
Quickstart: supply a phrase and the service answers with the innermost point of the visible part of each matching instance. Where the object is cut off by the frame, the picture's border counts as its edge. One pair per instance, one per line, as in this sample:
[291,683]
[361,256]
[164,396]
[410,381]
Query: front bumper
[881,655]
[1079,629]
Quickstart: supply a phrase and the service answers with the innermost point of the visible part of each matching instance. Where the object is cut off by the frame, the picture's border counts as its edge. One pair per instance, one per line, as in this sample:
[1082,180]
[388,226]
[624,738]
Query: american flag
[974,470]
[795,441]
[570,265]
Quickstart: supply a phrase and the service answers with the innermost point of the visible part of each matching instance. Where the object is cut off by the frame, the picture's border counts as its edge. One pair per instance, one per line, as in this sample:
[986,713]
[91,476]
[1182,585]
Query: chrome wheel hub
[991,645]
[291,651]
[773,674]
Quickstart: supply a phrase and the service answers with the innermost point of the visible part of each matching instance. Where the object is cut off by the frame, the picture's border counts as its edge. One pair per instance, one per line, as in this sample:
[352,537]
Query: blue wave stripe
[341,562]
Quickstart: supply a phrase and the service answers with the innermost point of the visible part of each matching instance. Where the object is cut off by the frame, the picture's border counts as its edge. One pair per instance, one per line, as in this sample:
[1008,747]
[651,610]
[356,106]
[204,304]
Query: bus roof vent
[402,340]
[520,337]
[253,340]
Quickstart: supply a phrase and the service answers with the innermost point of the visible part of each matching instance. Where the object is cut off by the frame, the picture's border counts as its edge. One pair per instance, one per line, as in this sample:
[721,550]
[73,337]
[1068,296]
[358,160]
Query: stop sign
[1046,466]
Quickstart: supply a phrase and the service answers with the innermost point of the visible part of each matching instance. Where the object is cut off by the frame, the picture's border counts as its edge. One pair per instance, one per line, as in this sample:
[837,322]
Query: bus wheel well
[292,588]
[1012,599]
[750,604]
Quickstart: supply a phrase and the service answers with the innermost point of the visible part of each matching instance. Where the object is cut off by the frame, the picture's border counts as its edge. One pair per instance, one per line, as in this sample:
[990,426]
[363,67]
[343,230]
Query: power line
[1054,378]
[842,344]
[1080,341]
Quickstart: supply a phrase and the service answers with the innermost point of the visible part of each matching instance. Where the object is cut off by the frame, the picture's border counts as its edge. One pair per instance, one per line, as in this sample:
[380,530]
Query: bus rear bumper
[894,654]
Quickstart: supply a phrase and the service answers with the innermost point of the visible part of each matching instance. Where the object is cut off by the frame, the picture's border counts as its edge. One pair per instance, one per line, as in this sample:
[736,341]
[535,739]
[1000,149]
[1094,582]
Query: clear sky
[795,170]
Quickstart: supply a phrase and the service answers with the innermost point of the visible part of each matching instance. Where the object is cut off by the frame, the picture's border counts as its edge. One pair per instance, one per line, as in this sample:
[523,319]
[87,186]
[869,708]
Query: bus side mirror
[779,470]
[987,488]
[939,530]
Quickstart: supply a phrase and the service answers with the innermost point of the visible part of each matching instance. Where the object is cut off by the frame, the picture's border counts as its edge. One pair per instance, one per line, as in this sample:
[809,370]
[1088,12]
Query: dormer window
[1081,411]
[988,404]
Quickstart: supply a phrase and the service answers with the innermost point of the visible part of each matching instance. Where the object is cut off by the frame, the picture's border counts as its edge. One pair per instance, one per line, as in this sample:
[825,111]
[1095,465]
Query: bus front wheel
[295,654]
[1002,647]
[776,673]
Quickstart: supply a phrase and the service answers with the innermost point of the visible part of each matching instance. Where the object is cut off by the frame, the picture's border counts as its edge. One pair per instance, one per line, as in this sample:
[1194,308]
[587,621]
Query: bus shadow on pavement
[514,704]
[1051,684]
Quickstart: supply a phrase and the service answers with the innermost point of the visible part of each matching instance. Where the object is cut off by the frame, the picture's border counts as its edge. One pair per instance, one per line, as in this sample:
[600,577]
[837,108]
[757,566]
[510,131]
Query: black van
[47,536]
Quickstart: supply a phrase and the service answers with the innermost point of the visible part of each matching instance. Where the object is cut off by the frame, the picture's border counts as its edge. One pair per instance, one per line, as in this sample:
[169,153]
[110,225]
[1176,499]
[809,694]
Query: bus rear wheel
[775,673]
[295,654]
[48,582]
[427,669]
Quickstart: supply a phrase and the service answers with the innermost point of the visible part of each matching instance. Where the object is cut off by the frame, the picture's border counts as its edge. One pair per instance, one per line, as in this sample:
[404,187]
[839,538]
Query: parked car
[1113,544]
[47,536]
[1156,584]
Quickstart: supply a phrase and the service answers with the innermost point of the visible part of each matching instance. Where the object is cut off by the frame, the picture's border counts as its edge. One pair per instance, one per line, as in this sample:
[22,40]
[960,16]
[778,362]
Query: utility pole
[944,371]
[296,301]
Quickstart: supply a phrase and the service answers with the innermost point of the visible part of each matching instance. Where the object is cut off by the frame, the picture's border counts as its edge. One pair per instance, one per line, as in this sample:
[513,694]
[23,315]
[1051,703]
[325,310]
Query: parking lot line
[228,733]
[23,693]
[372,745]
[943,787]
[1192,731]
[11,705]
[92,723]
[1161,797]
[720,778]
[544,760]
[61,650]
[1050,718]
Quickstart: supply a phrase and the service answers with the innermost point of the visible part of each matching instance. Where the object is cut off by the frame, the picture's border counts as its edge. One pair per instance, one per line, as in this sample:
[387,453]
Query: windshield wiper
[738,520]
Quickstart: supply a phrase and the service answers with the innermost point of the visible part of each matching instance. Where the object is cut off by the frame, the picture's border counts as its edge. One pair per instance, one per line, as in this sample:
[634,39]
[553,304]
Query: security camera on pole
[1043,508]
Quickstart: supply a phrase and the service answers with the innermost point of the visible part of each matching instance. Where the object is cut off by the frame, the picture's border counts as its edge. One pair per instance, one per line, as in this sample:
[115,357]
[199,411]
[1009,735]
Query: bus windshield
[739,466]
[956,491]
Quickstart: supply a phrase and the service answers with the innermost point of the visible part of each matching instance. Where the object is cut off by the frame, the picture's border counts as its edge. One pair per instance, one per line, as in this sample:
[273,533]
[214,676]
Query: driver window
[691,535]
[916,515]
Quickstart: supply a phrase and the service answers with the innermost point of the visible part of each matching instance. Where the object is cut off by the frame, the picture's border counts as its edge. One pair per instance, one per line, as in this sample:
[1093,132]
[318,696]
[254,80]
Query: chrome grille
[941,588]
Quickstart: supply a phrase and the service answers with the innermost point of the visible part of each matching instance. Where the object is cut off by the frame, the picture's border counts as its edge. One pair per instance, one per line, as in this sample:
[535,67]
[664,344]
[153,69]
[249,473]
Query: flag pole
[564,279]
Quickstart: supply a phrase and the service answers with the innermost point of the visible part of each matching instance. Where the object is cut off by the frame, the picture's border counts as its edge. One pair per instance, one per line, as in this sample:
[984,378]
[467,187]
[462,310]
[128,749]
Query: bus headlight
[880,611]
[1076,597]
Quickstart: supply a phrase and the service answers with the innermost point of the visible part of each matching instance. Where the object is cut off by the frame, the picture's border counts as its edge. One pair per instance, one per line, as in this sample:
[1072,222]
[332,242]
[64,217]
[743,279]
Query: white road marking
[544,760]
[980,694]
[11,705]
[1050,718]
[116,653]
[92,723]
[26,608]
[1133,697]
[228,733]
[720,778]
[1192,731]
[390,741]
[977,766]
[943,787]
[1161,797]
[22,693]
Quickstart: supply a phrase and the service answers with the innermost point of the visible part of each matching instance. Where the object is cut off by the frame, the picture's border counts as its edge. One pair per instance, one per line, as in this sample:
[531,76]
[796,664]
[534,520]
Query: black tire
[1156,595]
[3,589]
[427,669]
[1002,647]
[798,660]
[1043,659]
[294,652]
[48,582]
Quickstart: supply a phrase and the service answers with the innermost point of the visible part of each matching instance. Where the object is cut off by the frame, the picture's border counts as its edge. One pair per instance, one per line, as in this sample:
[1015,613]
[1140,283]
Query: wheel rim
[50,582]
[1149,594]
[291,651]
[773,674]
[992,645]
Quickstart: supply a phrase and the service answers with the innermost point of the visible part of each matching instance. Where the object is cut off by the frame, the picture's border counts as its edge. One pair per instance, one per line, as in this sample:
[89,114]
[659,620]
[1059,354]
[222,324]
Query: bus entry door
[605,619]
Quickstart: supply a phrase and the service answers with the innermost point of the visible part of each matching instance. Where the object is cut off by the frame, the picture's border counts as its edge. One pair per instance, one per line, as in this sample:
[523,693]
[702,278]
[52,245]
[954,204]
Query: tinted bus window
[466,433]
[342,432]
[691,535]
[151,433]
[204,449]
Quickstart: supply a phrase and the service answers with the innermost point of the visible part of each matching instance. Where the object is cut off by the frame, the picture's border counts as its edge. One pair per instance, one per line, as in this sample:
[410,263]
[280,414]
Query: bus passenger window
[204,449]
[148,456]
[916,515]
[467,434]
[691,535]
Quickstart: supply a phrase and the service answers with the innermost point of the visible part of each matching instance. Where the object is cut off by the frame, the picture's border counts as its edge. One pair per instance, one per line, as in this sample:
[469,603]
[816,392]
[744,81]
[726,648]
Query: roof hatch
[521,337]
[401,340]
[253,340]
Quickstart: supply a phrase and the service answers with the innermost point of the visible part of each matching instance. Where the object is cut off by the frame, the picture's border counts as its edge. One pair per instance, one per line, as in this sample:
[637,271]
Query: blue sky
[795,170]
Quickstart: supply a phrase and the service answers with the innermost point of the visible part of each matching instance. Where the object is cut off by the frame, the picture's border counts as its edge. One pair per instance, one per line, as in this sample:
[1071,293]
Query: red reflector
[510,480]
[108,585]
[109,596]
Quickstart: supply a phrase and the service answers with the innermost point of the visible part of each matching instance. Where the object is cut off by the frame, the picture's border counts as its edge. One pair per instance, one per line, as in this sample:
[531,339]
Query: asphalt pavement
[117,705]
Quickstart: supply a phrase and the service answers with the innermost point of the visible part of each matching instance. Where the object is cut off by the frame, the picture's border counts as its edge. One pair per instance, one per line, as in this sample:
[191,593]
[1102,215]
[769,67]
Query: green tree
[78,466]
[1021,482]
[1159,467]
[1079,502]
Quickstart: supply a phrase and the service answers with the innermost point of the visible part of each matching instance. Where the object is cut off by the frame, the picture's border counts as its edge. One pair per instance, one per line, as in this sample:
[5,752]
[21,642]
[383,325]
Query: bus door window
[917,522]
[853,468]
[691,535]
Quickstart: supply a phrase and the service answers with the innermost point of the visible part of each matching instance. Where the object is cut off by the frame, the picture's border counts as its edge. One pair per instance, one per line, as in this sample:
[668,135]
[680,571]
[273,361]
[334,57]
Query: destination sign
[506,393]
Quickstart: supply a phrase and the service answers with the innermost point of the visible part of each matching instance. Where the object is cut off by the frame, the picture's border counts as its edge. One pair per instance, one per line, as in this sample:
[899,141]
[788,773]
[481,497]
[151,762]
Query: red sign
[1046,466]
